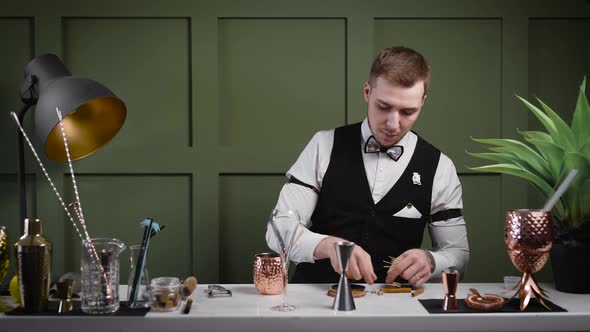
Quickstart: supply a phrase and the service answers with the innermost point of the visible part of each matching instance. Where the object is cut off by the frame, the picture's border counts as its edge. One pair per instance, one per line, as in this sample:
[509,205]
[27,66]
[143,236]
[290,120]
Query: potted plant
[544,160]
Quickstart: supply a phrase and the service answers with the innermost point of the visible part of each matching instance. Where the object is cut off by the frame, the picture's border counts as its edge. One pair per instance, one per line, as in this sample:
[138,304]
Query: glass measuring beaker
[99,265]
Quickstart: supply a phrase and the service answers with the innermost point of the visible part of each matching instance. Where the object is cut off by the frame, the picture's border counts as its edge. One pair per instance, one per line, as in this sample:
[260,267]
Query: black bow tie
[394,152]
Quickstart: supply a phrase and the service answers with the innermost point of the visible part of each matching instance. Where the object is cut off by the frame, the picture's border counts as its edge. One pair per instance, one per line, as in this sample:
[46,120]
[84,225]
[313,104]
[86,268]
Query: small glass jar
[165,293]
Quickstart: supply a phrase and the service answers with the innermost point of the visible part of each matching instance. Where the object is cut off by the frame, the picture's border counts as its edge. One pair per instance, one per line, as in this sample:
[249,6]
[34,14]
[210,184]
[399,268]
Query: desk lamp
[92,115]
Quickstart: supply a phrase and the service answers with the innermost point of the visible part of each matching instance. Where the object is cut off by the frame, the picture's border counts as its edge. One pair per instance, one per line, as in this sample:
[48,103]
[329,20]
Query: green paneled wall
[147,62]
[16,35]
[223,95]
[275,75]
[246,202]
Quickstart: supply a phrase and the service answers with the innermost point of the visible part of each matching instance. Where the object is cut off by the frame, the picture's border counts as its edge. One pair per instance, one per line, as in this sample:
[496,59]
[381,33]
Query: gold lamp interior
[88,128]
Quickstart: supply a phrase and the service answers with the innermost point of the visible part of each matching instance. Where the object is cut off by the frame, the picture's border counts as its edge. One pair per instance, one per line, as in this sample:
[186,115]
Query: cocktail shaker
[33,263]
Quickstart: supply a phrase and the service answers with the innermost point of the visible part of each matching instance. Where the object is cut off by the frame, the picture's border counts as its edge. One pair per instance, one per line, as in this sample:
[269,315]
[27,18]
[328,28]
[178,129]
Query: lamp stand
[20,167]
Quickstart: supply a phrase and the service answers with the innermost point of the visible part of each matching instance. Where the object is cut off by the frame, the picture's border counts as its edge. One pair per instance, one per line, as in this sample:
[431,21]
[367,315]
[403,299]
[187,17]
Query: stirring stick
[91,248]
[15,117]
[149,225]
[78,206]
[59,198]
[560,190]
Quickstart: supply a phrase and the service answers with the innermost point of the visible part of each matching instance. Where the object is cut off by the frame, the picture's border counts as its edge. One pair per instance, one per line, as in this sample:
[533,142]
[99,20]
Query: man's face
[392,109]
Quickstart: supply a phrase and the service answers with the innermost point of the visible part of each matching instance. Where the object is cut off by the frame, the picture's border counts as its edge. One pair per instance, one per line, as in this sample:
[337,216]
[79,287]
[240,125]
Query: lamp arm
[20,167]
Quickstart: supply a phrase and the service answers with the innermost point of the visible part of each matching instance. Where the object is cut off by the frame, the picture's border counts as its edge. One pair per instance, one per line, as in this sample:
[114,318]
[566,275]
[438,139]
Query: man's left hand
[413,265]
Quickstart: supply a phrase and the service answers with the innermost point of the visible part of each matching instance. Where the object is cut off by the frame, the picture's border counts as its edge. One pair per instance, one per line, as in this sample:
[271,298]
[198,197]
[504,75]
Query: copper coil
[487,302]
[268,274]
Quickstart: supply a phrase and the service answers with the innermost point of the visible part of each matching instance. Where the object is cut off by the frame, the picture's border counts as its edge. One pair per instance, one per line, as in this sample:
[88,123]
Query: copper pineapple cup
[529,237]
[268,274]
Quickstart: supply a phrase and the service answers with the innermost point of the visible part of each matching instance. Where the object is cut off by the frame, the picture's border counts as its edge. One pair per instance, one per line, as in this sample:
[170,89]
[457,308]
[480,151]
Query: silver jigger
[343,300]
[450,279]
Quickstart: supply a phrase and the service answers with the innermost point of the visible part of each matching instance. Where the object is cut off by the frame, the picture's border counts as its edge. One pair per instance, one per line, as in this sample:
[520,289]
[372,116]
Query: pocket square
[409,211]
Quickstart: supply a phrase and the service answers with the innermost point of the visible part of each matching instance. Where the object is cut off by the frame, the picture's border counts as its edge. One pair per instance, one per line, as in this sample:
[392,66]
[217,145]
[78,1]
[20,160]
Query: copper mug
[268,274]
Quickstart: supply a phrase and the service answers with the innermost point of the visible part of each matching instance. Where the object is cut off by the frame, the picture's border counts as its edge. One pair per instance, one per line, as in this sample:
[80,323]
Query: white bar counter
[246,310]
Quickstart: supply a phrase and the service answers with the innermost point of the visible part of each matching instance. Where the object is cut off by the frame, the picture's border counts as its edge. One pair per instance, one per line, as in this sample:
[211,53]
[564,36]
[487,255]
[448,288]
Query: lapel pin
[416,178]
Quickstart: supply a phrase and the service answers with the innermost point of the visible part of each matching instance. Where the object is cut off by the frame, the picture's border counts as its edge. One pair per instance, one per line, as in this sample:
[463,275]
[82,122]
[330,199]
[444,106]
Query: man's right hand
[359,265]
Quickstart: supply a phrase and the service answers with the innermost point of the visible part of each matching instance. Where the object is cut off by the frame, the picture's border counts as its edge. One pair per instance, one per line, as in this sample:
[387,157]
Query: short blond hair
[402,66]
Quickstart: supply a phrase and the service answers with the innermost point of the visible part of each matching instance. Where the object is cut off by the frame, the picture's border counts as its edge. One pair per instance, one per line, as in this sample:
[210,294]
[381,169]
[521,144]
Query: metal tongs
[217,291]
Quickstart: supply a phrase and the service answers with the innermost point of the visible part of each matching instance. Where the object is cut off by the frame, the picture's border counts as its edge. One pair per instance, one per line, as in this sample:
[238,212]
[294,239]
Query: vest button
[372,213]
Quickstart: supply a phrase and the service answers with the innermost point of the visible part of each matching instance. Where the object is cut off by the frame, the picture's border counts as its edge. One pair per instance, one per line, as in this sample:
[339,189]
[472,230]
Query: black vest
[346,209]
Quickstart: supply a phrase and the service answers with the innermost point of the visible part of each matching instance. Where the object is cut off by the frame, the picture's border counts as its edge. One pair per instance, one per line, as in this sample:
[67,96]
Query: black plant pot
[571,267]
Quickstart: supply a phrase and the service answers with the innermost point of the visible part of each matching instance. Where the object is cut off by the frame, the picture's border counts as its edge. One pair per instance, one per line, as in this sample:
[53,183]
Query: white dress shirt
[449,237]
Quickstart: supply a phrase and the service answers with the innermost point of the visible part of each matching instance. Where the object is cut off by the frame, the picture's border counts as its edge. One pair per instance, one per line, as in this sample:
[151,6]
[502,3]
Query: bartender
[378,184]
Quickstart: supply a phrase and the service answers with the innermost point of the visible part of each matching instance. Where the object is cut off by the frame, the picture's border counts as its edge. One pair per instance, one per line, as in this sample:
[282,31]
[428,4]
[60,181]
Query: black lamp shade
[92,117]
[92,114]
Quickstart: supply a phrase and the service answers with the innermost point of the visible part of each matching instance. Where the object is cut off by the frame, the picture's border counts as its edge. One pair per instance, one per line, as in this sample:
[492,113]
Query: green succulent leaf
[581,119]
[538,135]
[497,157]
[542,171]
[578,161]
[564,135]
[573,210]
[543,118]
[516,171]
[575,160]
[522,152]
[585,150]
[573,196]
[553,154]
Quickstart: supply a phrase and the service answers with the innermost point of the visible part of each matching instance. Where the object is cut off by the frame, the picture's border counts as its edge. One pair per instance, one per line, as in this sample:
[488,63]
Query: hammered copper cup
[529,237]
[268,274]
